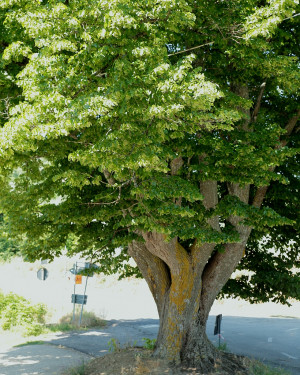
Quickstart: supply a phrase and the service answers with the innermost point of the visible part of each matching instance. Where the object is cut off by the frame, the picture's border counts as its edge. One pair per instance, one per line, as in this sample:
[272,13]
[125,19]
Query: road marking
[289,356]
[270,339]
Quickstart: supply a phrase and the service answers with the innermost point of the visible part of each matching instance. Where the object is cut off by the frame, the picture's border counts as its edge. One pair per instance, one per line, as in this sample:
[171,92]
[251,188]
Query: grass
[16,336]
[89,320]
[223,347]
[114,345]
[149,344]
[37,342]
[258,368]
[65,324]
[77,370]
[62,327]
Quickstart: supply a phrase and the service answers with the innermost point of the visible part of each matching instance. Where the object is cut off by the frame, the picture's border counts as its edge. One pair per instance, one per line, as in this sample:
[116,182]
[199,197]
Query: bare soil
[136,361]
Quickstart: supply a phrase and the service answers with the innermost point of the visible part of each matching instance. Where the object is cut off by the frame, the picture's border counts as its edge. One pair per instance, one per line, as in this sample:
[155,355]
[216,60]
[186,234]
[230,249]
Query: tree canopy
[164,128]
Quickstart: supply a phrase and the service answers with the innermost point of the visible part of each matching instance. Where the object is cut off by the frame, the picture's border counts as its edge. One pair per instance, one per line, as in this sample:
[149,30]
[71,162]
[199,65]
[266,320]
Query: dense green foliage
[18,312]
[8,247]
[127,105]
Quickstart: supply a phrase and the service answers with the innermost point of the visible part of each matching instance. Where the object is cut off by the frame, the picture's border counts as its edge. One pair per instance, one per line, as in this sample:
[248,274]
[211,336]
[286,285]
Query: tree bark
[176,291]
[184,285]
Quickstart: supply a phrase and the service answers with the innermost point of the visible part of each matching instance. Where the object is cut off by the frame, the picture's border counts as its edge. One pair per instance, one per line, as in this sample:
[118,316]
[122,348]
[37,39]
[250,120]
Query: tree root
[222,364]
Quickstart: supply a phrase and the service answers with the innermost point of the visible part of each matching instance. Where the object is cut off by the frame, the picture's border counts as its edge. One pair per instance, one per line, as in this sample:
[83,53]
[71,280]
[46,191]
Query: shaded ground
[140,362]
[42,359]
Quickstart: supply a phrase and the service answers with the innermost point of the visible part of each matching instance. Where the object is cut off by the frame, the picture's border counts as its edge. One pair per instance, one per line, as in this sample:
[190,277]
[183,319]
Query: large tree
[164,128]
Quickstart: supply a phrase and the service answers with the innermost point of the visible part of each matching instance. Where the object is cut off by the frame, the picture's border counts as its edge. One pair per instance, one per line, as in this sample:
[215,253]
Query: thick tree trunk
[182,336]
[184,286]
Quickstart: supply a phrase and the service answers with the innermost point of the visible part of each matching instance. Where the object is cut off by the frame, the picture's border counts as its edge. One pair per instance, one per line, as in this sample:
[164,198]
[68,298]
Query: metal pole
[83,300]
[75,273]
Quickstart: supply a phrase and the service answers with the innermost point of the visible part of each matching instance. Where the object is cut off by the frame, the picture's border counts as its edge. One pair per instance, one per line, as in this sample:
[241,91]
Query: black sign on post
[218,324]
[217,330]
[79,299]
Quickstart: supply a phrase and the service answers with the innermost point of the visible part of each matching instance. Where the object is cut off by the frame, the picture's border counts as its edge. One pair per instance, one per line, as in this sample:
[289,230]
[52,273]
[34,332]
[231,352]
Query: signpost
[84,296]
[74,269]
[217,330]
[80,299]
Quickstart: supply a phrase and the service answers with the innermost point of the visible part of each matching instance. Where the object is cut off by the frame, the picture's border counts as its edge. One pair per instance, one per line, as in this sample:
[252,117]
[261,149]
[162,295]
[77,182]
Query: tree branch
[243,92]
[209,190]
[289,128]
[175,165]
[191,49]
[259,196]
[154,270]
[109,177]
[241,192]
[172,253]
[258,102]
[219,269]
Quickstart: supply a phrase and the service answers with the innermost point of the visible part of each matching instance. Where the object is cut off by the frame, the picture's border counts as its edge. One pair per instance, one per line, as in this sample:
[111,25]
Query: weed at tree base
[259,368]
[77,370]
[149,344]
[114,345]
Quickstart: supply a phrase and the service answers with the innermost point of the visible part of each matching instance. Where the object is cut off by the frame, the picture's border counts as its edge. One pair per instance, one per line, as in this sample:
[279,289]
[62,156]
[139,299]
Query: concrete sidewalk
[42,359]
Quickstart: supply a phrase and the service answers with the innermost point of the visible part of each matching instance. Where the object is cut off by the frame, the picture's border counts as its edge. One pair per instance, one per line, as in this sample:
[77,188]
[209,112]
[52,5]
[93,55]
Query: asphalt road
[39,360]
[271,340]
[274,341]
